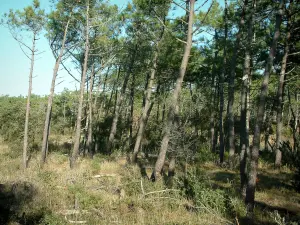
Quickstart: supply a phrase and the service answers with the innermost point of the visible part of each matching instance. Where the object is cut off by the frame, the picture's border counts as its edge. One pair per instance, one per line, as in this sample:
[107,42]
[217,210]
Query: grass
[101,191]
[58,195]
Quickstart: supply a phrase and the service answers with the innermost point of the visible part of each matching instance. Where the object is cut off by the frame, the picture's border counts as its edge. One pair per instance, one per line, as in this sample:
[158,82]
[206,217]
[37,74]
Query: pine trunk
[245,112]
[25,145]
[230,114]
[280,92]
[251,185]
[222,75]
[213,97]
[174,102]
[145,108]
[89,144]
[75,152]
[119,101]
[50,98]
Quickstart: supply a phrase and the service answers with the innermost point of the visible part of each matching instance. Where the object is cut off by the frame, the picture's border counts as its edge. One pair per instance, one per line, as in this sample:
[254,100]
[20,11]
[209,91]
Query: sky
[15,66]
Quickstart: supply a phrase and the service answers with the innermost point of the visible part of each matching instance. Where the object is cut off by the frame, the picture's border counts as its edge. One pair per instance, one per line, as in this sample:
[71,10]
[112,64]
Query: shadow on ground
[13,198]
[266,181]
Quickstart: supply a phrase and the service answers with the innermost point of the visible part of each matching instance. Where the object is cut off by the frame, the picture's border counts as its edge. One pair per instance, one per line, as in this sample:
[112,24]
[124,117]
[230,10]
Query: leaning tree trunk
[222,75]
[119,101]
[254,154]
[230,114]
[147,104]
[173,109]
[50,98]
[25,145]
[280,92]
[112,94]
[75,152]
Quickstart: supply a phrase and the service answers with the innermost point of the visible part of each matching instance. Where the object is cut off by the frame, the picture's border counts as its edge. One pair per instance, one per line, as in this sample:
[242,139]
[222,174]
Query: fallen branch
[72,212]
[77,222]
[105,175]
[142,187]
[166,190]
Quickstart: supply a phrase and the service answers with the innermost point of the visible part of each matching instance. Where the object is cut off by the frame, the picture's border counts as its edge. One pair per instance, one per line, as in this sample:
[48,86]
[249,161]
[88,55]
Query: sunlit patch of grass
[280,197]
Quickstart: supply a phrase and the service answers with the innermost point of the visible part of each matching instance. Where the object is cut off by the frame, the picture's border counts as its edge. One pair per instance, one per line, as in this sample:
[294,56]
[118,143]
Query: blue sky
[15,65]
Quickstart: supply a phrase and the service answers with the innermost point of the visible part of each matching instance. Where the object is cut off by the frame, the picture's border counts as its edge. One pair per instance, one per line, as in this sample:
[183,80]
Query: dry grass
[62,196]
[99,191]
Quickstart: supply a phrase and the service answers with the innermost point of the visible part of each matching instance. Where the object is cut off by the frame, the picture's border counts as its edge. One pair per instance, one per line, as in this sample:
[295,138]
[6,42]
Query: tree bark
[173,109]
[119,102]
[130,119]
[230,114]
[90,116]
[245,104]
[213,97]
[295,118]
[146,107]
[50,98]
[280,92]
[75,152]
[251,185]
[25,144]
[221,140]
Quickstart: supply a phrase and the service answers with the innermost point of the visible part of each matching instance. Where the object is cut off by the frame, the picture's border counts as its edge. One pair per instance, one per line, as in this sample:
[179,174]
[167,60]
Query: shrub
[196,187]
[205,155]
[292,159]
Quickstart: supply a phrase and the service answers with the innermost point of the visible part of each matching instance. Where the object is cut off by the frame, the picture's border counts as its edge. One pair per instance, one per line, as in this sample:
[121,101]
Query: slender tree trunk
[146,106]
[251,185]
[174,102]
[50,98]
[25,145]
[280,92]
[119,102]
[89,143]
[163,113]
[245,104]
[296,124]
[268,123]
[230,114]
[213,97]
[221,130]
[131,102]
[102,94]
[112,92]
[245,150]
[103,105]
[295,118]
[75,152]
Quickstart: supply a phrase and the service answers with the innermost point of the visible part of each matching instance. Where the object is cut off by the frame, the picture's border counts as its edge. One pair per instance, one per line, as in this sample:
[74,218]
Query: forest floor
[109,191]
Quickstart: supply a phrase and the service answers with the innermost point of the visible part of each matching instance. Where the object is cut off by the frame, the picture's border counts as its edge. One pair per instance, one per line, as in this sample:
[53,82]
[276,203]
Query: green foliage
[12,114]
[205,155]
[196,186]
[31,18]
[52,219]
[291,157]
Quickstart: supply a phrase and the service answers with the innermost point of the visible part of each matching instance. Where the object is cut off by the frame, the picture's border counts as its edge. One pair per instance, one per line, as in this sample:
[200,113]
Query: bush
[291,158]
[205,155]
[196,187]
